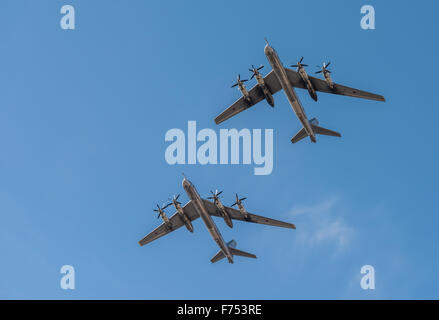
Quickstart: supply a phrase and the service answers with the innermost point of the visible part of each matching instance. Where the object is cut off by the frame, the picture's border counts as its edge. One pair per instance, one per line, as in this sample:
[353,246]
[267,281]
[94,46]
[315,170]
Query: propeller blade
[234,85]
[210,198]
[294,65]
[234,204]
[219,193]
[328,71]
[260,67]
[319,71]
[155,210]
[304,65]
[244,80]
[253,75]
[178,196]
[328,64]
[242,199]
[166,206]
[158,216]
[301,59]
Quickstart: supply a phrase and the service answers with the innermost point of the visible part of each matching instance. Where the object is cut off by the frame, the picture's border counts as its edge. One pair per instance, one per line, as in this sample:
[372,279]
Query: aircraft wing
[322,86]
[255,94]
[237,215]
[175,222]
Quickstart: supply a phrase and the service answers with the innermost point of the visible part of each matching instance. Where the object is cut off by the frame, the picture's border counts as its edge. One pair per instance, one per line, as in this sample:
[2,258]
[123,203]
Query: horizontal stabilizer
[240,253]
[235,252]
[299,135]
[317,130]
[324,131]
[220,255]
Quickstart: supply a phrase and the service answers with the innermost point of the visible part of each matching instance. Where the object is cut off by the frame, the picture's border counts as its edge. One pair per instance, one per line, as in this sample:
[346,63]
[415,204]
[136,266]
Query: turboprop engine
[221,208]
[261,84]
[242,88]
[161,213]
[180,211]
[238,202]
[326,74]
[301,70]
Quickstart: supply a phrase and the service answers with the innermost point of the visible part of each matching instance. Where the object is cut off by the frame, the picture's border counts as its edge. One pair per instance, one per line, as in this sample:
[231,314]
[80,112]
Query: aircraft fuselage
[207,219]
[279,70]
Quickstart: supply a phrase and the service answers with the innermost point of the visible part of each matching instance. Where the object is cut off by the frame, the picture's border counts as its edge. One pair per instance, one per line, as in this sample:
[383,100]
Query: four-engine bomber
[281,78]
[199,207]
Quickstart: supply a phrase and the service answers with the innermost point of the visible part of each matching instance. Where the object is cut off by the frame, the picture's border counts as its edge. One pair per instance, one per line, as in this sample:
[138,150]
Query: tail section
[299,135]
[235,252]
[317,130]
[240,253]
[220,255]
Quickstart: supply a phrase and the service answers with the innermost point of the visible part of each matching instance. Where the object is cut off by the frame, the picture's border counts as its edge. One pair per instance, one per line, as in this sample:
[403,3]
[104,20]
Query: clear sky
[83,116]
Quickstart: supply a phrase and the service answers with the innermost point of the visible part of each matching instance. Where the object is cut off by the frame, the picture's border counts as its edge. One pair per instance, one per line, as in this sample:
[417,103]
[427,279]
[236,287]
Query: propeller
[215,194]
[160,210]
[174,200]
[239,81]
[324,67]
[255,70]
[238,201]
[299,64]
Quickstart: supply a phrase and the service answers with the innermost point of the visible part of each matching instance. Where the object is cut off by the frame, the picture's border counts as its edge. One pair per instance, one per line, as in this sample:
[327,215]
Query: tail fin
[235,252]
[317,130]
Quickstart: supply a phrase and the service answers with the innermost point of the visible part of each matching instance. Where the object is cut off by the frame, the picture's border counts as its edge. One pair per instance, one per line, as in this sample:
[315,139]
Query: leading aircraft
[283,78]
[199,207]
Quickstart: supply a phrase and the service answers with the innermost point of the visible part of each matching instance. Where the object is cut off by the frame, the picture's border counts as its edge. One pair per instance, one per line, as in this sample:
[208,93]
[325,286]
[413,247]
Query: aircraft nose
[268,49]
[185,182]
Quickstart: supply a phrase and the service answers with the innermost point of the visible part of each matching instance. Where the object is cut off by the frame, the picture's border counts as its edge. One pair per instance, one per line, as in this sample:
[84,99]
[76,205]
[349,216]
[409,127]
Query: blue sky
[84,112]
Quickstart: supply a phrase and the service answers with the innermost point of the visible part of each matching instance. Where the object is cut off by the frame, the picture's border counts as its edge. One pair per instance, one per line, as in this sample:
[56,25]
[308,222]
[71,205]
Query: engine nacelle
[267,94]
[245,93]
[185,218]
[224,213]
[243,211]
[269,98]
